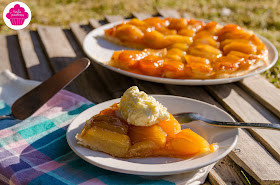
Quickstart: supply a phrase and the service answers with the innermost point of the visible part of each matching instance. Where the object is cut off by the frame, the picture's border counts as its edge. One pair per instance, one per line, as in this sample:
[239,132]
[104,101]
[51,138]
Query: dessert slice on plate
[139,126]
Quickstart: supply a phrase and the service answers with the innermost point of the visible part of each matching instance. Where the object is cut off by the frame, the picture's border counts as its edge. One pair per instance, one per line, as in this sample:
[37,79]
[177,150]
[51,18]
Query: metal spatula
[26,105]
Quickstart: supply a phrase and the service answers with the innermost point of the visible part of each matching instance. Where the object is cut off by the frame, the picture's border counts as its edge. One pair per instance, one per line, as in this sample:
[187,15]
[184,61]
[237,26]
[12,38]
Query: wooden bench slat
[265,92]
[113,18]
[151,88]
[94,23]
[168,13]
[104,76]
[15,56]
[261,166]
[226,171]
[194,92]
[55,47]
[93,87]
[245,108]
[87,84]
[80,35]
[4,54]
[141,15]
[37,68]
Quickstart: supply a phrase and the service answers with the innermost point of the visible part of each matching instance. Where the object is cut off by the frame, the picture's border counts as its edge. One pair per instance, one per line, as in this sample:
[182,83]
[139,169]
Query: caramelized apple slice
[241,47]
[127,59]
[152,133]
[127,32]
[110,110]
[151,65]
[228,41]
[142,149]
[105,140]
[173,68]
[171,39]
[200,67]
[154,39]
[238,54]
[177,24]
[187,142]
[206,41]
[186,32]
[238,34]
[108,122]
[176,51]
[181,46]
[170,126]
[227,64]
[205,51]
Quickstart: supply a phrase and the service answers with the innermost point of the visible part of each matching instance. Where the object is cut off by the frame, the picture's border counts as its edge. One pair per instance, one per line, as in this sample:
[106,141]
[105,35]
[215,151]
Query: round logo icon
[17,15]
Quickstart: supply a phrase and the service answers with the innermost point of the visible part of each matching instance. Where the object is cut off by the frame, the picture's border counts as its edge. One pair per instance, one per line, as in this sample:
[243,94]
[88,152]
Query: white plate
[100,50]
[225,137]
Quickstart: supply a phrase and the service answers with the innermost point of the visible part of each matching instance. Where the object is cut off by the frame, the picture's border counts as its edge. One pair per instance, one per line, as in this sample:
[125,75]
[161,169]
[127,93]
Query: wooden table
[38,54]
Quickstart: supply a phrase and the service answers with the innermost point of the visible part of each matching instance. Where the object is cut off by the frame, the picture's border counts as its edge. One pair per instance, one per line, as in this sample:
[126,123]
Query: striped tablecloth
[35,150]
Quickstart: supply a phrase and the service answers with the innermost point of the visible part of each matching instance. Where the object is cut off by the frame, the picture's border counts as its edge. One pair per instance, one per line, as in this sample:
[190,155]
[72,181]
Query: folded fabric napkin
[35,150]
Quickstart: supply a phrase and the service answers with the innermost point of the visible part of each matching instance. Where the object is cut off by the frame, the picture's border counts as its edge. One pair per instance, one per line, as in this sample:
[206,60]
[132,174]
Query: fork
[187,117]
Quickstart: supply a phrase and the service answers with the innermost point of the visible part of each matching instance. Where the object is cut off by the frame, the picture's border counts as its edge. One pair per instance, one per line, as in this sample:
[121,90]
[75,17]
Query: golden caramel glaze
[183,48]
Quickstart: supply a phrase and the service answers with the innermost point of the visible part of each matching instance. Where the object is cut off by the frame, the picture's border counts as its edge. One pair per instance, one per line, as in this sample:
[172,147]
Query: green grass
[261,16]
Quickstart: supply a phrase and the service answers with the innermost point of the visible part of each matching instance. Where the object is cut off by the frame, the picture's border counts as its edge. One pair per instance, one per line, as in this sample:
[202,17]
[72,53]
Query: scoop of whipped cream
[140,109]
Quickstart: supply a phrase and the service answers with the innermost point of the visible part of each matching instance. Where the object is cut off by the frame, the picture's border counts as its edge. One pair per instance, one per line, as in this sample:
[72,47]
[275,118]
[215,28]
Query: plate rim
[154,173]
[178,81]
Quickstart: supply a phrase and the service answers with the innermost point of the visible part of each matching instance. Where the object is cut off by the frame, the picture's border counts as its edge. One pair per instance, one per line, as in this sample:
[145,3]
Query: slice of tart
[139,126]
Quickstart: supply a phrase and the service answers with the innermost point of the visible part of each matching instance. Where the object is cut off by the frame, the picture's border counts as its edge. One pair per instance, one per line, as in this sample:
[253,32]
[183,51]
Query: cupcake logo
[17,15]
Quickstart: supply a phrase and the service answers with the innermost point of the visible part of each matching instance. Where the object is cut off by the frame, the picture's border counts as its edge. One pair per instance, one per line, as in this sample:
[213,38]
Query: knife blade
[26,105]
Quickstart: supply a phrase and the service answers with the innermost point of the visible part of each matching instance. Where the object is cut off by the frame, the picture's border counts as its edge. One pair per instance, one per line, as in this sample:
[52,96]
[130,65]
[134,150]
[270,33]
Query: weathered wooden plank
[227,172]
[262,166]
[37,68]
[116,83]
[80,35]
[140,15]
[57,46]
[4,54]
[15,56]
[194,92]
[94,23]
[169,13]
[245,108]
[265,92]
[87,84]
[151,88]
[206,183]
[93,87]
[113,18]
[186,15]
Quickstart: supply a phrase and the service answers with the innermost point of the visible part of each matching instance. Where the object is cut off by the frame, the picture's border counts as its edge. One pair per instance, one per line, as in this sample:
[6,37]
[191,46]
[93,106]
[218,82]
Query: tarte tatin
[183,48]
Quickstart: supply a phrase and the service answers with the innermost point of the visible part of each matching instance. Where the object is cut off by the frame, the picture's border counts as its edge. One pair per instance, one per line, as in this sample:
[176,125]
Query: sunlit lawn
[261,16]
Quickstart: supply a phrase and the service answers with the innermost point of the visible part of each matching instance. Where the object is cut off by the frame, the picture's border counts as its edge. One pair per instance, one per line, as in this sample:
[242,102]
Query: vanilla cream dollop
[140,109]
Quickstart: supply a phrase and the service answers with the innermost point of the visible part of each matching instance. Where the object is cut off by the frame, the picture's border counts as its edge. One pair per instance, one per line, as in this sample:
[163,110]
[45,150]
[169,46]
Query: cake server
[26,105]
